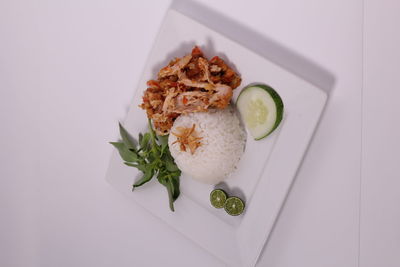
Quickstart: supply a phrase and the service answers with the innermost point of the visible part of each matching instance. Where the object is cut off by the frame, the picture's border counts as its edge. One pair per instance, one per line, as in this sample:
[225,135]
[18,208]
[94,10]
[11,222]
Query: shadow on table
[262,45]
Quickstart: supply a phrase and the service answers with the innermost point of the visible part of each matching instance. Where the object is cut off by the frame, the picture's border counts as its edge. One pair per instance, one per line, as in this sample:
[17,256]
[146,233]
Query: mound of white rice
[222,145]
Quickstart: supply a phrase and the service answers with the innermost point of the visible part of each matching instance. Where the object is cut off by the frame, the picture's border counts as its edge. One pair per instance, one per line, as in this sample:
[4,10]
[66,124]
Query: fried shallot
[187,137]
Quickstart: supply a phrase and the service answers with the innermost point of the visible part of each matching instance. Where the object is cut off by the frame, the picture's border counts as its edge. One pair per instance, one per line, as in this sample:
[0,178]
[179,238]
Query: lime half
[218,198]
[234,206]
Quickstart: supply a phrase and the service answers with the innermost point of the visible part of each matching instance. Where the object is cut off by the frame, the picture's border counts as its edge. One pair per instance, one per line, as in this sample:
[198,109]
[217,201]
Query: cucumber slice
[261,109]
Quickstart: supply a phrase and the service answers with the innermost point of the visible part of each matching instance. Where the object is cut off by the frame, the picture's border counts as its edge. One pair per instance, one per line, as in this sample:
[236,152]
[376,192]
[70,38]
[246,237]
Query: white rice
[223,141]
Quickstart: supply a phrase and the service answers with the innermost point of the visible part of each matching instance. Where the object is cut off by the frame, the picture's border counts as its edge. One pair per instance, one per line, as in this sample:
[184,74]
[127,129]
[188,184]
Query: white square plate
[264,173]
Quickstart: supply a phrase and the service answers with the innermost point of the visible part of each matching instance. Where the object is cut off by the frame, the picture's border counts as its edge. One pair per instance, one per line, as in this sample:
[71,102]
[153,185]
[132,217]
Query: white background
[67,73]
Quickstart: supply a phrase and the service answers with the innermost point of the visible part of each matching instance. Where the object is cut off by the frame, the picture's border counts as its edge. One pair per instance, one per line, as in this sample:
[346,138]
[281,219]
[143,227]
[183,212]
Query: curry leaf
[162,140]
[140,167]
[136,165]
[175,183]
[126,138]
[144,143]
[161,178]
[124,152]
[140,138]
[171,166]
[164,149]
[147,175]
[170,189]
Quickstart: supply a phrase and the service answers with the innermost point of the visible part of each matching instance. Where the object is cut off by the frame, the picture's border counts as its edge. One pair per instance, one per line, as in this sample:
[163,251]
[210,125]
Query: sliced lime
[234,206]
[218,198]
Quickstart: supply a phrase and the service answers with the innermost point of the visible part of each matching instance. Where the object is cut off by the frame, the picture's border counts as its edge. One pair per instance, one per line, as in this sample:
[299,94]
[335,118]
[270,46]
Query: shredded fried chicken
[187,137]
[188,84]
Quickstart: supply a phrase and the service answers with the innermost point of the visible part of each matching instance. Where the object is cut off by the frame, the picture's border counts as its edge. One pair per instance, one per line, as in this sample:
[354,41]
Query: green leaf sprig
[151,155]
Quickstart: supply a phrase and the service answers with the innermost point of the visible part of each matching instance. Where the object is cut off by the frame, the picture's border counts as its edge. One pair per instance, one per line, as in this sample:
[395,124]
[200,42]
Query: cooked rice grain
[222,145]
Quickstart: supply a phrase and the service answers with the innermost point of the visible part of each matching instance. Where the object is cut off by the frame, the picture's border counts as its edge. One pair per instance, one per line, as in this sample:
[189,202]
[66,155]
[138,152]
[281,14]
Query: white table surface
[67,73]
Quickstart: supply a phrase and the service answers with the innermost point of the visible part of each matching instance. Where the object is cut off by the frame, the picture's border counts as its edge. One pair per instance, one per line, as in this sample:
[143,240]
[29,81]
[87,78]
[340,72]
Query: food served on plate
[222,144]
[193,127]
[186,85]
